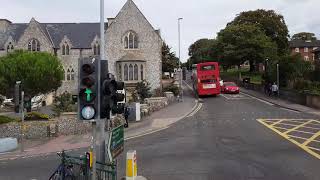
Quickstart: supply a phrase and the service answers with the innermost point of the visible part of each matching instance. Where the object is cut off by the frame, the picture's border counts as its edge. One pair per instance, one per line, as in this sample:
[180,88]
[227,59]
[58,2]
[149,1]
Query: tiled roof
[303,43]
[81,35]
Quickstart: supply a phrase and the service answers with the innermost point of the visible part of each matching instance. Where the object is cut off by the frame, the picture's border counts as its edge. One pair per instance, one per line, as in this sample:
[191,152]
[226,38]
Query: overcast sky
[201,18]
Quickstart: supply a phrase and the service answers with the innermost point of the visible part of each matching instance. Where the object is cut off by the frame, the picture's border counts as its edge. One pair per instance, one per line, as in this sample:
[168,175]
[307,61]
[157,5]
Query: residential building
[305,48]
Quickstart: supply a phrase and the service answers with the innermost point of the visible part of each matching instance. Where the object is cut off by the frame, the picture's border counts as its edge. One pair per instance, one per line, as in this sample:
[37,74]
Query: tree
[244,42]
[202,50]
[270,22]
[304,36]
[169,59]
[39,72]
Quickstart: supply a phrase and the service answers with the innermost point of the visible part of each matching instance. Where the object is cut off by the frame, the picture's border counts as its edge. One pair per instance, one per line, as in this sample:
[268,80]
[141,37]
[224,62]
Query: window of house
[10,47]
[306,58]
[120,72]
[34,45]
[125,72]
[131,41]
[72,75]
[65,49]
[96,48]
[68,75]
[136,73]
[297,50]
[130,72]
[141,72]
[306,49]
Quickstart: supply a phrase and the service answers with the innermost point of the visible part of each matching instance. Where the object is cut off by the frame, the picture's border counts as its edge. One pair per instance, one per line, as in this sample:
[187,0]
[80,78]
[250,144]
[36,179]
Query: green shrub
[6,119]
[143,90]
[36,116]
[63,103]
[306,86]
[172,88]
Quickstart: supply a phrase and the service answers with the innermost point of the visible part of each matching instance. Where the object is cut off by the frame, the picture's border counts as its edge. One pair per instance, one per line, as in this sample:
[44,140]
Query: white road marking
[266,102]
[291,110]
[196,110]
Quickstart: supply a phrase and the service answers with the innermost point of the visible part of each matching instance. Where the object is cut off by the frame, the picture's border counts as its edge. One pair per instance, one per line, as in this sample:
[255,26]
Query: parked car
[230,87]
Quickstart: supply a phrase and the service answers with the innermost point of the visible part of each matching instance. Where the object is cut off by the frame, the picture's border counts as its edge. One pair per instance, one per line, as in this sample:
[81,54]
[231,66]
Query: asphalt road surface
[222,141]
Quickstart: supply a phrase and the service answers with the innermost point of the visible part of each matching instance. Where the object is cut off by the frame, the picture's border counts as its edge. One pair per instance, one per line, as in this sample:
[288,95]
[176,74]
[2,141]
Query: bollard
[131,172]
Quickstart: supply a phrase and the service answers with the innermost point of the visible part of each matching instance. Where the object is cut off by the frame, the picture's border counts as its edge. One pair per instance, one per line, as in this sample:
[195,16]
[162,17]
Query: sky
[201,18]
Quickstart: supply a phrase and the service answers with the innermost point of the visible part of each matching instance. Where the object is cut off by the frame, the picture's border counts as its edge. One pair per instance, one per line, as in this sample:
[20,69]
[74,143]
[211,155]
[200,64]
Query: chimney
[110,20]
[4,25]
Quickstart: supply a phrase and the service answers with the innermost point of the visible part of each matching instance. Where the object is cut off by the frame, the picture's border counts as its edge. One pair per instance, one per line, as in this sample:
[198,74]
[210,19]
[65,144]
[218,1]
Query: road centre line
[297,127]
[312,138]
[196,110]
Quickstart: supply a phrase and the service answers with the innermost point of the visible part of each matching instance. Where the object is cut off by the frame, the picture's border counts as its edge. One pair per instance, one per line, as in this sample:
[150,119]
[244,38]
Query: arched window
[125,71]
[130,72]
[141,72]
[136,73]
[34,45]
[131,41]
[72,75]
[67,49]
[68,75]
[63,50]
[96,48]
[120,72]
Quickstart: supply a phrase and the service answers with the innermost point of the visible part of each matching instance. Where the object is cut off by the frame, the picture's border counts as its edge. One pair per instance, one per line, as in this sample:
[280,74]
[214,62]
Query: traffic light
[87,86]
[110,98]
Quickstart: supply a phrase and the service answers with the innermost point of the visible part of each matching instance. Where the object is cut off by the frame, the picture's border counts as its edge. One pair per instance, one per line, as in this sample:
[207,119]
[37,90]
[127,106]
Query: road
[225,140]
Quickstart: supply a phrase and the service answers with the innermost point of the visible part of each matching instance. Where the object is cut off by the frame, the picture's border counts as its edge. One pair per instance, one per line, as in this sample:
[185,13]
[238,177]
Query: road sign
[116,142]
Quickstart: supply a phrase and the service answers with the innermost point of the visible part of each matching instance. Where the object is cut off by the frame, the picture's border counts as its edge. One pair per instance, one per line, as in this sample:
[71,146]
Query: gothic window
[34,45]
[72,75]
[136,73]
[120,72]
[125,71]
[141,72]
[130,72]
[96,48]
[131,41]
[10,47]
[68,75]
[63,50]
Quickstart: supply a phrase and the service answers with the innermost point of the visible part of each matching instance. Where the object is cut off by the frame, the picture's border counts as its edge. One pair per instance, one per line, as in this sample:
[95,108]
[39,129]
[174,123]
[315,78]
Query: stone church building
[133,46]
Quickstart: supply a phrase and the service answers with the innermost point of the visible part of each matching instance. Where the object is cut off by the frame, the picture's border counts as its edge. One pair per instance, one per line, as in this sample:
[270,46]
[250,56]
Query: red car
[230,87]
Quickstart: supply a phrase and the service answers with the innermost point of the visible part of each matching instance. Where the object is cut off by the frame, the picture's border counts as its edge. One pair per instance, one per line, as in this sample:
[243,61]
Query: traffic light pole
[22,122]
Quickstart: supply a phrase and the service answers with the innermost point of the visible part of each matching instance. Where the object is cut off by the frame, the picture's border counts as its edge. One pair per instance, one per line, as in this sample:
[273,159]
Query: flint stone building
[133,46]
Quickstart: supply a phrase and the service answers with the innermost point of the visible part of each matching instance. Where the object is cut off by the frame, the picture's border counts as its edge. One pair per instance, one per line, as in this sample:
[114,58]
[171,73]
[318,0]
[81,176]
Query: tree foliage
[39,72]
[169,59]
[244,42]
[270,22]
[304,36]
[203,50]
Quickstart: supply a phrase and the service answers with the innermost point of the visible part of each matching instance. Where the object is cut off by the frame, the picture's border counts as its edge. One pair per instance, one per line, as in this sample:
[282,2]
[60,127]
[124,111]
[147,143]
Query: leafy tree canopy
[270,22]
[202,50]
[169,59]
[304,36]
[39,72]
[245,42]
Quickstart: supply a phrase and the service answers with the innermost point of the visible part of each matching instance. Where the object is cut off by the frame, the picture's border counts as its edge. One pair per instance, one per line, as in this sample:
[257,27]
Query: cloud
[201,18]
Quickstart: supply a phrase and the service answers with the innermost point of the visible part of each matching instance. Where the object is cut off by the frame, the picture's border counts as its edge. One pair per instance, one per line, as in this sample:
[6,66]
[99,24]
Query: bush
[36,116]
[309,87]
[6,119]
[143,91]
[63,103]
[172,88]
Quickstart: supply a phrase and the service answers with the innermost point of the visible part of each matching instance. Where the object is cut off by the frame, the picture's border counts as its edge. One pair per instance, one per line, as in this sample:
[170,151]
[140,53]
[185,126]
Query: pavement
[155,122]
[280,102]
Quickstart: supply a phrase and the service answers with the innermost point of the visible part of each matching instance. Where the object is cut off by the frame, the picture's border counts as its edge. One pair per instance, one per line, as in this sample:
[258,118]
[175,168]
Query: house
[305,48]
[133,46]
[317,54]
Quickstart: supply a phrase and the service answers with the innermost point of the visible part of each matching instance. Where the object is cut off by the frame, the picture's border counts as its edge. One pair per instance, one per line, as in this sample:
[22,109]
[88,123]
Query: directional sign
[116,142]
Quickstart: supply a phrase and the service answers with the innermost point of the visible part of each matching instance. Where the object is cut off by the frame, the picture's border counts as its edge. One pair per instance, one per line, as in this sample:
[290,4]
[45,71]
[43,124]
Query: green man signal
[88,92]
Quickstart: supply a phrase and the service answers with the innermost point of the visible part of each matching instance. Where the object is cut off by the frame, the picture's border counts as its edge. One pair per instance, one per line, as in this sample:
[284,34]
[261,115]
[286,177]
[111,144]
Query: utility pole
[22,121]
[181,90]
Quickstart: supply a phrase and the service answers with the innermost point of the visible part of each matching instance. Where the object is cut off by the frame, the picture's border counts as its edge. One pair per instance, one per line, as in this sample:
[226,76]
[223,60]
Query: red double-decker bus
[206,78]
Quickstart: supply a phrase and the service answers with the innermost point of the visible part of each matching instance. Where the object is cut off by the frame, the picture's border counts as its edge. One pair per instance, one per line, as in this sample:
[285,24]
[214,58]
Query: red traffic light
[88,68]
[88,81]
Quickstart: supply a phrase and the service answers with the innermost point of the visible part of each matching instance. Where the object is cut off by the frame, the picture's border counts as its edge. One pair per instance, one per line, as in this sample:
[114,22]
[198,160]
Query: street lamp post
[278,79]
[180,70]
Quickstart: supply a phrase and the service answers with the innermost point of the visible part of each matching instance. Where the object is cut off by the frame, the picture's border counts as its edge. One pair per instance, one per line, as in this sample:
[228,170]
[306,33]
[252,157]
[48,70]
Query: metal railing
[78,168]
